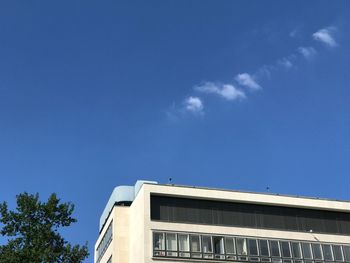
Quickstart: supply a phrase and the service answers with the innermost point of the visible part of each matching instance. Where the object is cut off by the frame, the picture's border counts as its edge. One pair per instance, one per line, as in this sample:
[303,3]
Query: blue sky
[233,94]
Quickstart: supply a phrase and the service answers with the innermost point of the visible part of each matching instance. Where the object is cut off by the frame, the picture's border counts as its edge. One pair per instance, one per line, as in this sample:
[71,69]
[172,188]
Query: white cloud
[194,105]
[307,52]
[230,92]
[207,87]
[325,35]
[248,81]
[285,62]
[226,91]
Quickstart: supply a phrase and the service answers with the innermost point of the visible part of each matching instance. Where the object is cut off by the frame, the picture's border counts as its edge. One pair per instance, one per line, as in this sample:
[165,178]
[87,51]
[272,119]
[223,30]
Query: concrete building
[150,222]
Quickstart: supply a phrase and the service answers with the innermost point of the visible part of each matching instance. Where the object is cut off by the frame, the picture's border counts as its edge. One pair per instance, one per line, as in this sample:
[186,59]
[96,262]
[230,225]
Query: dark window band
[184,210]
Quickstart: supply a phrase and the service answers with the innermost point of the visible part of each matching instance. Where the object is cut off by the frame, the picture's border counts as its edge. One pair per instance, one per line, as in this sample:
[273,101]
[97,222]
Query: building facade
[150,222]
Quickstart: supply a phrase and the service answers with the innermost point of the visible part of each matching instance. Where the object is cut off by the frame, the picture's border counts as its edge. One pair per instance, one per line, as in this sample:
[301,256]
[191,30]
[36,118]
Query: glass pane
[296,249]
[317,251]
[171,242]
[218,245]
[264,248]
[307,250]
[184,244]
[274,248]
[253,247]
[206,244]
[327,252]
[346,251]
[285,249]
[241,246]
[337,252]
[230,245]
[158,241]
[195,244]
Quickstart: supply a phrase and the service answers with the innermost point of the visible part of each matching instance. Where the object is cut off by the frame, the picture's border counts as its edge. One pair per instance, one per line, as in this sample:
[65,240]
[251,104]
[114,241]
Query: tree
[33,232]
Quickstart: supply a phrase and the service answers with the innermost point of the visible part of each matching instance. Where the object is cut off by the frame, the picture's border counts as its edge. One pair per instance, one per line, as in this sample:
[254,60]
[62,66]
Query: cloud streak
[244,83]
[226,91]
[286,63]
[247,81]
[307,52]
[325,36]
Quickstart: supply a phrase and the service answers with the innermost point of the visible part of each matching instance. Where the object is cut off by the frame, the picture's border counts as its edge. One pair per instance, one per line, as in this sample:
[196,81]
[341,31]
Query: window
[346,250]
[253,247]
[296,249]
[171,244]
[105,241]
[327,252]
[206,244]
[275,250]
[285,249]
[242,246]
[337,252]
[230,245]
[219,247]
[158,241]
[159,244]
[307,250]
[195,246]
[264,248]
[317,251]
[184,245]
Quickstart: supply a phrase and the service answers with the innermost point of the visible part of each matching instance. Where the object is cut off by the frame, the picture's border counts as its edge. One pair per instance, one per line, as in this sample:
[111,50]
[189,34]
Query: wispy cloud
[248,81]
[307,52]
[265,71]
[285,62]
[326,36]
[294,33]
[194,105]
[227,91]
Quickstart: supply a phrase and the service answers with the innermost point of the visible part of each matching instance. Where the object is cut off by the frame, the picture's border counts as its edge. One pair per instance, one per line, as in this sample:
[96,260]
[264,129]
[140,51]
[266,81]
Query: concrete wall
[121,234]
[137,229]
[119,247]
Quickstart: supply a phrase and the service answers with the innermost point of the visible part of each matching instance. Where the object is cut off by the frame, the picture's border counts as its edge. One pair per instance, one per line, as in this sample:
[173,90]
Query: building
[150,222]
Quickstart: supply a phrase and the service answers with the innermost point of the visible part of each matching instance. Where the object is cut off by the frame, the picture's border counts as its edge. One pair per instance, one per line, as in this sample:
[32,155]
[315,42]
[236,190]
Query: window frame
[268,247]
[331,250]
[279,248]
[211,244]
[341,252]
[234,245]
[246,246]
[300,250]
[310,250]
[282,249]
[257,247]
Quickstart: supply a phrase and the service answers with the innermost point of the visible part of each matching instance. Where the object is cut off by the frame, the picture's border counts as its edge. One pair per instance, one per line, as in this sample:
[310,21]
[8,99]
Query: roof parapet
[123,193]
